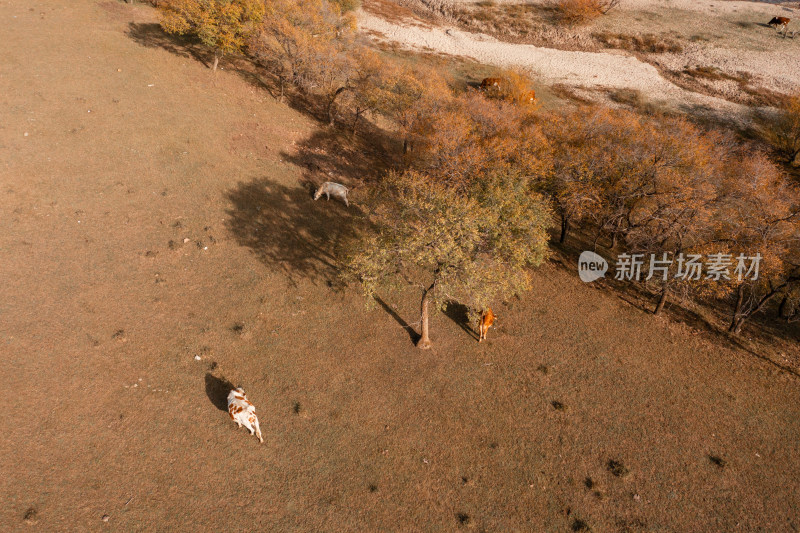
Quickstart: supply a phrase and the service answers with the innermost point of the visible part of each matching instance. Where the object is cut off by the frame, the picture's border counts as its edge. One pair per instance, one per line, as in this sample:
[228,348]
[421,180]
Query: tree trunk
[738,320]
[424,342]
[783,309]
[795,158]
[564,229]
[597,239]
[355,121]
[332,105]
[216,61]
[407,147]
[662,299]
[330,112]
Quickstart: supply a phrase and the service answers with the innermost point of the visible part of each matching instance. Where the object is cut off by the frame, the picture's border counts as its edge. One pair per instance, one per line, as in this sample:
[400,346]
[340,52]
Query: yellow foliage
[224,25]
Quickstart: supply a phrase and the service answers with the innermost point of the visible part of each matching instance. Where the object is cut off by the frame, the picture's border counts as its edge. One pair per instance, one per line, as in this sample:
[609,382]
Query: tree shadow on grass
[330,154]
[217,390]
[333,150]
[712,323]
[151,35]
[288,231]
[411,332]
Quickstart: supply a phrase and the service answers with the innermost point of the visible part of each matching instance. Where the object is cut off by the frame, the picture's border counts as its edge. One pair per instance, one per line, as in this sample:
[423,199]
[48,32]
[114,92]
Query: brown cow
[780,22]
[495,83]
[530,97]
[487,319]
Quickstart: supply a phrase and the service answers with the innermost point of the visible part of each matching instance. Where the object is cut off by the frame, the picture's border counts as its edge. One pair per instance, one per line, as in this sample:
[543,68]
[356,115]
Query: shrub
[783,130]
[582,11]
[648,42]
[348,5]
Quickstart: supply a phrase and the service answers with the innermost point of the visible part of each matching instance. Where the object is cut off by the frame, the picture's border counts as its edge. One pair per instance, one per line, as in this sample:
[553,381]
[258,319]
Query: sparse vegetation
[578,396]
[647,42]
[704,78]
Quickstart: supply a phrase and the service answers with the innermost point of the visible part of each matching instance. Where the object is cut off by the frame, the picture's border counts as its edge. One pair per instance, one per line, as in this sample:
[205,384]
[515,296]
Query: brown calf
[487,319]
[780,22]
[488,83]
[530,97]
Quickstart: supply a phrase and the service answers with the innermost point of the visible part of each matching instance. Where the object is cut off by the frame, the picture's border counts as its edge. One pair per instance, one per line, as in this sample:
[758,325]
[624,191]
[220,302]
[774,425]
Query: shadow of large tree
[288,231]
[336,155]
[151,35]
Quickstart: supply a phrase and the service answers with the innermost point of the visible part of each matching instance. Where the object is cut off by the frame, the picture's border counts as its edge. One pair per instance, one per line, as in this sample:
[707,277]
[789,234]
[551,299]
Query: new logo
[591,266]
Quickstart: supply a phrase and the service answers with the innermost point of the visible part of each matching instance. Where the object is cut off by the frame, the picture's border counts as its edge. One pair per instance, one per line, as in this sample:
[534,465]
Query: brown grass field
[581,411]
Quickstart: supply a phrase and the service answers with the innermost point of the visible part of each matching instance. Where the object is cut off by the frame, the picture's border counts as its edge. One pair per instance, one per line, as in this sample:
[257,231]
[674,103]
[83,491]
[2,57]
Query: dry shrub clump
[573,12]
[444,9]
[782,130]
[515,87]
[647,43]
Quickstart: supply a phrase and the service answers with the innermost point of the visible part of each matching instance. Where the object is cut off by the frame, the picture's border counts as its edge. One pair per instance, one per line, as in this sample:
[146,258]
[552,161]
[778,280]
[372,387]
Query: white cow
[337,190]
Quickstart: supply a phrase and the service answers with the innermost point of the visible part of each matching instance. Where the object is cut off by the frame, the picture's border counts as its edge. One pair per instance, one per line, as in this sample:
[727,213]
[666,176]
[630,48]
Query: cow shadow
[288,231]
[459,314]
[217,390]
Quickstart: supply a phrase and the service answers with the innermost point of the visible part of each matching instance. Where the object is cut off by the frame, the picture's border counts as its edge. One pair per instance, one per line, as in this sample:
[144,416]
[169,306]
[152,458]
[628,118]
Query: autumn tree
[305,43]
[370,85]
[650,182]
[760,217]
[672,195]
[472,248]
[783,129]
[414,95]
[516,87]
[471,137]
[583,145]
[418,94]
[225,26]
[583,11]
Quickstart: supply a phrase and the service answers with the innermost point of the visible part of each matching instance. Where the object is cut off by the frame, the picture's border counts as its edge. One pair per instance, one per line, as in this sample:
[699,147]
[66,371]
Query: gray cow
[337,190]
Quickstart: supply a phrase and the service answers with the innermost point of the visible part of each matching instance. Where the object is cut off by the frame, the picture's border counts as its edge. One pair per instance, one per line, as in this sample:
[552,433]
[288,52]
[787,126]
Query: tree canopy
[450,246]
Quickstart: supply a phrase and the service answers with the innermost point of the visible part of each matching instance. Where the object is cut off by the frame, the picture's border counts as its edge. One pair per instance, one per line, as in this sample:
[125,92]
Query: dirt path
[153,212]
[581,69]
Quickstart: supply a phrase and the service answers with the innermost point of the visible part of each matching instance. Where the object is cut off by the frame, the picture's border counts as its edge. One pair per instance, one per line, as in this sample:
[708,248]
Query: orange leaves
[470,138]
[583,11]
[783,129]
[219,24]
[512,86]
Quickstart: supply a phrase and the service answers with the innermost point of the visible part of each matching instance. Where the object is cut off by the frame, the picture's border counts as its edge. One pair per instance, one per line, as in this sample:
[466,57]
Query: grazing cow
[498,85]
[337,190]
[780,22]
[243,412]
[487,319]
[492,83]
[530,97]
